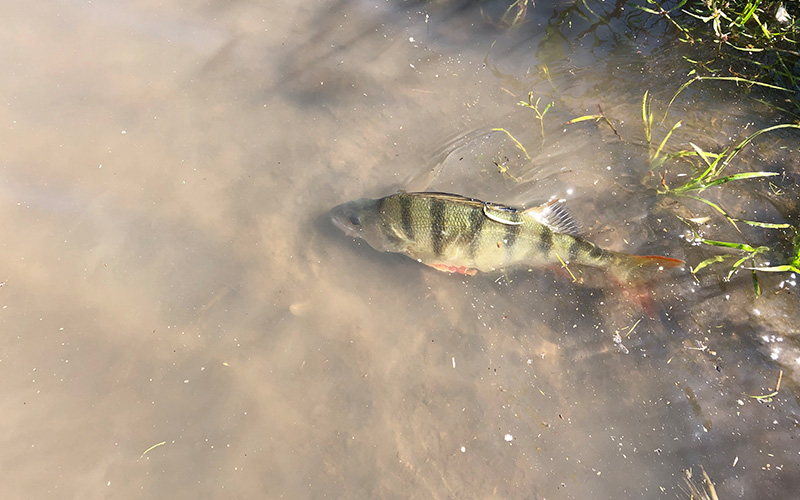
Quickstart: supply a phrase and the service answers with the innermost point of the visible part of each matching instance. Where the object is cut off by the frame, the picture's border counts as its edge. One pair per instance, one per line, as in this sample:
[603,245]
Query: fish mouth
[340,217]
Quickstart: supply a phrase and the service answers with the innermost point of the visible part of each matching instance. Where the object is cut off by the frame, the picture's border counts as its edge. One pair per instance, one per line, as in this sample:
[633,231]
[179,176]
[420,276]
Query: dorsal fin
[457,198]
[556,216]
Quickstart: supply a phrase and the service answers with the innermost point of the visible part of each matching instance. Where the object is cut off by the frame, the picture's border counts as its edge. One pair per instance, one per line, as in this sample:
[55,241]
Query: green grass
[793,262]
[516,13]
[710,169]
[755,42]
[747,253]
[535,107]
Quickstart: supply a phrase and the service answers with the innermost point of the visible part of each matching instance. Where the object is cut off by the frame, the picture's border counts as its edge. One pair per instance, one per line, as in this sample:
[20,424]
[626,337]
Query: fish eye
[354,220]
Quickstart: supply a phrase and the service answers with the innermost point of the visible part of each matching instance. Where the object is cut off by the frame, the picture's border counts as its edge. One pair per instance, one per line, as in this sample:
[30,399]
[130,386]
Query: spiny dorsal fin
[494,211]
[556,216]
[456,198]
[552,213]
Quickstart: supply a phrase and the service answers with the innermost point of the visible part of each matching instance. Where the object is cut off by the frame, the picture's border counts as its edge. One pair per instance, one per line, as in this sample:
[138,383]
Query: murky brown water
[180,319]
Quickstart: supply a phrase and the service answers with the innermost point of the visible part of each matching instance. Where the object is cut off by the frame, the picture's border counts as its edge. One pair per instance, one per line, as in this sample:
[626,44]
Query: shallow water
[180,319]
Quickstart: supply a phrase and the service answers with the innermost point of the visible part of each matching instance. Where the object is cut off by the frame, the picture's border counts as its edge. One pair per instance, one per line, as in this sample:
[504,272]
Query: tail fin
[636,272]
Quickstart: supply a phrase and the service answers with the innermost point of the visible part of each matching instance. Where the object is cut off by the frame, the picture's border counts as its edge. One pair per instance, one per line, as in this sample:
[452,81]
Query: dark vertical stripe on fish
[476,220]
[437,225]
[382,205]
[405,217]
[575,248]
[546,240]
[512,230]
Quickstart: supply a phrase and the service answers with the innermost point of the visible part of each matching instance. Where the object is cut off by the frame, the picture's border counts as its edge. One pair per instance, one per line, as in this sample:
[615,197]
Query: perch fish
[456,234]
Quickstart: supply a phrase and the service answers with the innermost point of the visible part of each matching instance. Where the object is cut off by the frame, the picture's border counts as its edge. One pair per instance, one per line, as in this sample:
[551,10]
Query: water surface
[180,319]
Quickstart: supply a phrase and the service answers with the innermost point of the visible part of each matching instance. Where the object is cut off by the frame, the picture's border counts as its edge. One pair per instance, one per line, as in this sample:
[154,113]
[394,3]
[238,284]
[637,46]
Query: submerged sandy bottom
[181,320]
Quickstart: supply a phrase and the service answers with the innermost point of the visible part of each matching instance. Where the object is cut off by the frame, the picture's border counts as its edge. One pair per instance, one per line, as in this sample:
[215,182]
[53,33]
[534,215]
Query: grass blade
[702,154]
[747,141]
[777,269]
[726,244]
[743,80]
[584,118]
[735,177]
[519,144]
[715,207]
[756,286]
[766,225]
[661,146]
[647,118]
[736,265]
[709,261]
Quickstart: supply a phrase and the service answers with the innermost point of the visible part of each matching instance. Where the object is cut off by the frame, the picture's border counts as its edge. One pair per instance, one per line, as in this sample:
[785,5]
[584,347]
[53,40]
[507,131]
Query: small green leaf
[737,177]
[702,154]
[519,144]
[709,261]
[712,205]
[645,9]
[766,225]
[739,246]
[664,142]
[756,286]
[759,132]
[777,269]
[736,265]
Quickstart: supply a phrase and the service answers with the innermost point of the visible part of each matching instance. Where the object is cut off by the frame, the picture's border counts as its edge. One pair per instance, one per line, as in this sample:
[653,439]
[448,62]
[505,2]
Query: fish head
[361,219]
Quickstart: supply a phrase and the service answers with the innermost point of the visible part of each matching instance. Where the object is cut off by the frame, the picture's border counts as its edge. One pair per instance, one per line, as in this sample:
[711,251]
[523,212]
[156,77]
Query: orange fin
[666,262]
[637,276]
[642,269]
[641,295]
[454,269]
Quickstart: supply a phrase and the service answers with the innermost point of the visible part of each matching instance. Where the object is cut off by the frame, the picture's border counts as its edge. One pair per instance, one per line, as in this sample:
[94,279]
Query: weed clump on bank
[755,42]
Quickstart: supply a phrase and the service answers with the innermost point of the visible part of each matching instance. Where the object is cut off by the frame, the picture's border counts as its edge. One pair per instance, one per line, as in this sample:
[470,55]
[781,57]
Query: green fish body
[464,235]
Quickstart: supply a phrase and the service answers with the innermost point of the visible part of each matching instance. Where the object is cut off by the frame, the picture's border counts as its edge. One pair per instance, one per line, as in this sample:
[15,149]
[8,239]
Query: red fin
[637,274]
[642,296]
[642,269]
[454,269]
[665,262]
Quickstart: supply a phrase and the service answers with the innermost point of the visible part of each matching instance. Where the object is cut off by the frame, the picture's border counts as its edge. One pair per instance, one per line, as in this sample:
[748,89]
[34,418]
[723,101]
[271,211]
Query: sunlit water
[181,320]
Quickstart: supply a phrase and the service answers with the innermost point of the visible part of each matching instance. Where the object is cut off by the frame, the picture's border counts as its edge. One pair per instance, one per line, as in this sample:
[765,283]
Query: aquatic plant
[601,116]
[750,253]
[704,490]
[516,143]
[540,116]
[756,41]
[746,253]
[647,117]
[793,262]
[712,175]
[535,107]
[707,174]
[516,12]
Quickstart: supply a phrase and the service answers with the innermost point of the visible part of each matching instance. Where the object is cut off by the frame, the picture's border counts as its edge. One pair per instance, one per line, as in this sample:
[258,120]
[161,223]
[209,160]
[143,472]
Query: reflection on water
[181,320]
